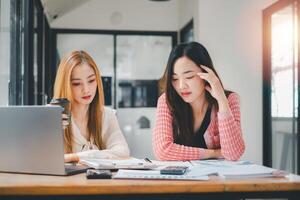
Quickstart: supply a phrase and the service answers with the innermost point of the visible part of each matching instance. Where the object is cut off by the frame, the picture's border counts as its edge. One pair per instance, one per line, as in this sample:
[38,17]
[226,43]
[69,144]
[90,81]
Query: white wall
[187,10]
[232,32]
[121,15]
[139,140]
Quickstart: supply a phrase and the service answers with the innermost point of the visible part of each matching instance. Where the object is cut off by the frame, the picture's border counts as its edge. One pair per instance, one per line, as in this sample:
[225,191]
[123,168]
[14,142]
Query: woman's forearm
[212,153]
[71,157]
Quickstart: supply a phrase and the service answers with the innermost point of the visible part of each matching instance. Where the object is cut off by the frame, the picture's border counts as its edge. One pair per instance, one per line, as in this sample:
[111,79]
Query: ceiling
[56,8]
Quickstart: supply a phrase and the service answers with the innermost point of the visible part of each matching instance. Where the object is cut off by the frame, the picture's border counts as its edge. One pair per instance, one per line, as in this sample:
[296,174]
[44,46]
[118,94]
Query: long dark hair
[183,119]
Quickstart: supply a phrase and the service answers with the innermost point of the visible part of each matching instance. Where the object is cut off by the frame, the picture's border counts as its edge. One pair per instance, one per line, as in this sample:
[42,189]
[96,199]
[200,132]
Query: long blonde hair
[62,89]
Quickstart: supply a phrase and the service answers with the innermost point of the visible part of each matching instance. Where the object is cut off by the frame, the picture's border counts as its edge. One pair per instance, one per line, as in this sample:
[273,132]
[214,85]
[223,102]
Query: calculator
[174,170]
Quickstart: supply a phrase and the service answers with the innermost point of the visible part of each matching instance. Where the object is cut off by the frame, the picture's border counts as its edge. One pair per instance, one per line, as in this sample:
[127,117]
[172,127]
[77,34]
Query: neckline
[78,132]
[207,117]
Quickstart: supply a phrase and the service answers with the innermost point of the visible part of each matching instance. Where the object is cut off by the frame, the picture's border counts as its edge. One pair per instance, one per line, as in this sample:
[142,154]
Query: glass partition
[141,61]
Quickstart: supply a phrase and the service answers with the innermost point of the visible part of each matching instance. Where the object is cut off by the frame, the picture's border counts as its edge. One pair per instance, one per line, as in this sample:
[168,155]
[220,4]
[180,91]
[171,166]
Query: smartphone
[98,174]
[175,170]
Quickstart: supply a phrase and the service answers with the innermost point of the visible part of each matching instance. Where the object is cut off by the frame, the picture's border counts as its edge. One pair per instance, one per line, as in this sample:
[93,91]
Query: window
[28,52]
[4,50]
[284,68]
[280,86]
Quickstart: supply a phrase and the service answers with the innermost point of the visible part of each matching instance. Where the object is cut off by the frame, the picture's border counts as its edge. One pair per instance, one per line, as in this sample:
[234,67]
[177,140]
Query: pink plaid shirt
[224,131]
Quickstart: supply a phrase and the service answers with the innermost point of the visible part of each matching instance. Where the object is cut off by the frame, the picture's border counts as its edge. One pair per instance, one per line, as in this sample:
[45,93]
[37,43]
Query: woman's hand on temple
[215,88]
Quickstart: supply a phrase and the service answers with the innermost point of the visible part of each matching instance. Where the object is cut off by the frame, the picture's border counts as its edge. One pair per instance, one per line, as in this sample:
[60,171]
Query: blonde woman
[94,131]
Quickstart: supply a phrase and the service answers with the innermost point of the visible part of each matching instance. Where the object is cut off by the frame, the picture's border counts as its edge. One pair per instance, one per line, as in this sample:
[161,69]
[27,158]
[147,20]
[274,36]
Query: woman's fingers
[65,120]
[206,69]
[209,71]
[211,78]
[65,123]
[65,116]
[203,75]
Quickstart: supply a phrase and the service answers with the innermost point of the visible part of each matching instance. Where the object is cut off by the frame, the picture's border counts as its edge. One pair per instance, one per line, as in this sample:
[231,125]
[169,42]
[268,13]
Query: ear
[208,88]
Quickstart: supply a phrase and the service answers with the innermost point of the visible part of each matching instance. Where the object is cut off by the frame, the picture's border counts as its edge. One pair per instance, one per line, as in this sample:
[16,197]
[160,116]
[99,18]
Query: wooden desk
[22,186]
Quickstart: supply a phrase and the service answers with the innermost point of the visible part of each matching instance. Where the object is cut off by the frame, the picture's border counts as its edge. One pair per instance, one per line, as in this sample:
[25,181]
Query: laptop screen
[31,140]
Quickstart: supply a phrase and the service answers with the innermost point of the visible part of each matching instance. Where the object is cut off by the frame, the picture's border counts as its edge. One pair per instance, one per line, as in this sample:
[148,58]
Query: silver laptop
[31,141]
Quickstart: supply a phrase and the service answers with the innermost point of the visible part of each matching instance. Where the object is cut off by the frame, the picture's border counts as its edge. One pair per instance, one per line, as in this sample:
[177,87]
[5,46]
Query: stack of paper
[172,163]
[250,171]
[237,169]
[131,163]
[155,174]
[219,162]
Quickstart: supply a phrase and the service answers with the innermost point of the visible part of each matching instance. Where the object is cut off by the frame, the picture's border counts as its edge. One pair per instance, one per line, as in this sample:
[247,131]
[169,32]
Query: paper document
[237,169]
[219,162]
[131,163]
[172,163]
[249,171]
[155,174]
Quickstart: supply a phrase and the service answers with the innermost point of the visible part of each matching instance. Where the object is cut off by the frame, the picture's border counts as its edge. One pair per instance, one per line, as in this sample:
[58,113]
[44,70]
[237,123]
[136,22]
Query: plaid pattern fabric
[224,131]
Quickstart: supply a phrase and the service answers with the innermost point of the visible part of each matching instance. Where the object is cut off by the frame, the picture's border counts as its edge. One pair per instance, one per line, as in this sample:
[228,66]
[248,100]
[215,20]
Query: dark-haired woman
[196,118]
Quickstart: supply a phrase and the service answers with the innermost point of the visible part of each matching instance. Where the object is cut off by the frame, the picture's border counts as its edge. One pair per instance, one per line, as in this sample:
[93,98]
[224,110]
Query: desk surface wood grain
[23,184]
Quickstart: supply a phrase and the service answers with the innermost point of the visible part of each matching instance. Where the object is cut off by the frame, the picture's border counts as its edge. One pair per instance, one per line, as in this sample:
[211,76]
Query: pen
[147,160]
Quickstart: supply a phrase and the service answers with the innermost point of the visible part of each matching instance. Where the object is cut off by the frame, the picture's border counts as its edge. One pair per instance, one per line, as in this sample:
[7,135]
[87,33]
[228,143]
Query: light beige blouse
[112,137]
